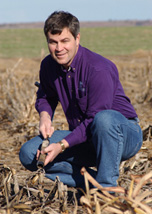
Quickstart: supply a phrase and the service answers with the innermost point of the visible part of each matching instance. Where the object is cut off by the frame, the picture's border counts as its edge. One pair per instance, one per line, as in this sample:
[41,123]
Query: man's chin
[63,63]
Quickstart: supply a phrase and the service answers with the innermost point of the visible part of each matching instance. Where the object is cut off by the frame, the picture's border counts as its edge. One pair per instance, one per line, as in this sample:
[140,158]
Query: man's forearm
[45,114]
[45,127]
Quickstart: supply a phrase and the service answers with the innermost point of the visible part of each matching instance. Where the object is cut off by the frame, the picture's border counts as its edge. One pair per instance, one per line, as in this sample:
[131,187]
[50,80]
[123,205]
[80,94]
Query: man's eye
[66,40]
[51,42]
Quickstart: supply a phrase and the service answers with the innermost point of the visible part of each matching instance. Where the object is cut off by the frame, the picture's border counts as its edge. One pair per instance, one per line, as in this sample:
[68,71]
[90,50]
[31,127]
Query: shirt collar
[65,70]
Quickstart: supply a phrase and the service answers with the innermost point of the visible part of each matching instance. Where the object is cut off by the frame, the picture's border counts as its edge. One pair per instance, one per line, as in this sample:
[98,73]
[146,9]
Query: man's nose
[59,46]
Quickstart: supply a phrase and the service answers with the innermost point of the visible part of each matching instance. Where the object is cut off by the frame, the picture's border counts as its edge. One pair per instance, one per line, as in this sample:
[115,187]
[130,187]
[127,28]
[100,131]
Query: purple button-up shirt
[90,85]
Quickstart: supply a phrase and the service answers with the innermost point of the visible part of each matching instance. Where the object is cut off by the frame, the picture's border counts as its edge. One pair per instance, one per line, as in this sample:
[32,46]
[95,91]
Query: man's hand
[52,151]
[45,126]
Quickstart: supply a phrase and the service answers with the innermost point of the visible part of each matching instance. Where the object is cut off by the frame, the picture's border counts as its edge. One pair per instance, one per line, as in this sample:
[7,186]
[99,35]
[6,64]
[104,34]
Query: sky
[21,11]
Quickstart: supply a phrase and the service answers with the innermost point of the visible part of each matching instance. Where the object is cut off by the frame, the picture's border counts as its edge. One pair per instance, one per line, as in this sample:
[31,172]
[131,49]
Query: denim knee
[102,119]
[26,157]
[27,154]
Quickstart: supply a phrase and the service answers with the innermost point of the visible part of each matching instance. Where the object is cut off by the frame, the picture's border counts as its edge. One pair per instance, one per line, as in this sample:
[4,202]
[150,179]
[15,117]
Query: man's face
[63,47]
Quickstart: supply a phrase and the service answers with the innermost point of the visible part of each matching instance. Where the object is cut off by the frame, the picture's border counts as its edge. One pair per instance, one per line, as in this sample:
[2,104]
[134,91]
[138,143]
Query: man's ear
[78,39]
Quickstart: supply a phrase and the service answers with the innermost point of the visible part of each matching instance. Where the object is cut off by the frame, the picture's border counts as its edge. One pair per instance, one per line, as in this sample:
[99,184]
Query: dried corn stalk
[32,195]
[130,201]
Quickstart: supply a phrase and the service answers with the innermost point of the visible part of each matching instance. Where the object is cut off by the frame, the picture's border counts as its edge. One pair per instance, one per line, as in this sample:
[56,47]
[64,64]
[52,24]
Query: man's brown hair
[59,20]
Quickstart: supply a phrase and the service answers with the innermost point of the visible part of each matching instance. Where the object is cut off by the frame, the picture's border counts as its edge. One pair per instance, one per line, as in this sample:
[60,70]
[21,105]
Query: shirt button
[78,120]
[69,76]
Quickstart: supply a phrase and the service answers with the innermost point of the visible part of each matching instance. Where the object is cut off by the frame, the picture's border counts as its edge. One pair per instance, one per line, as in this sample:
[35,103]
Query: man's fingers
[46,150]
[47,132]
[51,131]
[47,160]
[43,132]
[38,154]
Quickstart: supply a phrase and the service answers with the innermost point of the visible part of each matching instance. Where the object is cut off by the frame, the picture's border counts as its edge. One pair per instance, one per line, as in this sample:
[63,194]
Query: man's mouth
[60,55]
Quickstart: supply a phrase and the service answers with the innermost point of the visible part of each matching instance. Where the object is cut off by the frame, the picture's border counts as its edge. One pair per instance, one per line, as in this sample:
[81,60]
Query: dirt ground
[19,120]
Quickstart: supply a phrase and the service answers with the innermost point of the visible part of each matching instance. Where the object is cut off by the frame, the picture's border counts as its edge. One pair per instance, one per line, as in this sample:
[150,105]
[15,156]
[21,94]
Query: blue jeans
[114,139]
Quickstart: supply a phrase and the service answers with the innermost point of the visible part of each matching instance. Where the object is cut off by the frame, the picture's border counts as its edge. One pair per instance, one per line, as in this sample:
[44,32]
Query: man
[103,125]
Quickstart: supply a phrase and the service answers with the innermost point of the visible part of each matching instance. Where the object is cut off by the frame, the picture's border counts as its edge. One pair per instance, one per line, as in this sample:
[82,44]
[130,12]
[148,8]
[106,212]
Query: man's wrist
[62,146]
[45,114]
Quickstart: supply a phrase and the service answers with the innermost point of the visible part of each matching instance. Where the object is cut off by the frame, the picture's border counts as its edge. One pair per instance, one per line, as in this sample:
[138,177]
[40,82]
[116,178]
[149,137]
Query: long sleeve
[47,98]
